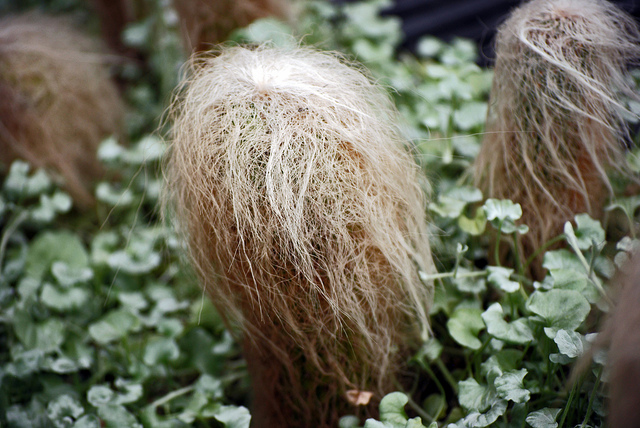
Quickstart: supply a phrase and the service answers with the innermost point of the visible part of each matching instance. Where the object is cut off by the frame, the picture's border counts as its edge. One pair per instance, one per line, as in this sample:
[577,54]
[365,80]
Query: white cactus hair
[58,100]
[305,216]
[555,122]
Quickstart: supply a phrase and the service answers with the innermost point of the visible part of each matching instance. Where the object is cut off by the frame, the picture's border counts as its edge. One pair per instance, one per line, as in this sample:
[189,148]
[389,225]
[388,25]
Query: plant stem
[542,249]
[420,411]
[17,221]
[591,398]
[172,395]
[516,249]
[496,250]
[565,413]
[447,375]
[426,277]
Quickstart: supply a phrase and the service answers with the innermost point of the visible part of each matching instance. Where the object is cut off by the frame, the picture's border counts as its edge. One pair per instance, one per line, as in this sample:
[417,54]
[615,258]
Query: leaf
[569,343]
[46,335]
[469,284]
[88,421]
[545,418]
[19,185]
[372,51]
[435,405]
[464,193]
[50,206]
[64,365]
[464,326]
[134,300]
[116,416]
[499,276]
[68,276]
[102,246]
[502,210]
[132,391]
[562,259]
[474,226]
[210,386]
[64,299]
[627,247]
[64,406]
[349,421]
[510,386]
[561,309]
[110,151]
[264,30]
[502,215]
[161,350]
[448,207]
[113,326]
[461,51]
[372,423]
[135,264]
[392,409]
[49,247]
[100,395]
[500,363]
[110,195]
[234,416]
[479,420]
[473,396]
[170,327]
[588,232]
[150,148]
[515,332]
[629,206]
[429,46]
[470,115]
[431,349]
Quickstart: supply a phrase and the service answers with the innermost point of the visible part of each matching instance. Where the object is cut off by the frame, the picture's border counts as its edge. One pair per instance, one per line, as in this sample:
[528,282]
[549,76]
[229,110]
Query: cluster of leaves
[101,324]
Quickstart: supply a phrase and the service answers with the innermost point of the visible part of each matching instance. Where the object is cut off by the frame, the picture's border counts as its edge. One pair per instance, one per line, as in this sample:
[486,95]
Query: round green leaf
[545,418]
[561,309]
[50,247]
[99,395]
[514,332]
[473,396]
[116,416]
[497,209]
[569,343]
[464,326]
[64,406]
[113,326]
[392,408]
[499,276]
[161,350]
[510,386]
[234,416]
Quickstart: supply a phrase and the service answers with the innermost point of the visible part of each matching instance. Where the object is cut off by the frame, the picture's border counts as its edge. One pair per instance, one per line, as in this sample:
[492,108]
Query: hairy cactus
[305,218]
[555,124]
[57,101]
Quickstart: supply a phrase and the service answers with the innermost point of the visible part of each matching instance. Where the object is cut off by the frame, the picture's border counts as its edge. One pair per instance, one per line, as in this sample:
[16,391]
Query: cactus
[58,101]
[555,121]
[304,215]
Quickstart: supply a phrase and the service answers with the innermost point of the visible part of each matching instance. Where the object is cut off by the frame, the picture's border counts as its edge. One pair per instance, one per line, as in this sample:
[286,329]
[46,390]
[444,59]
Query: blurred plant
[57,100]
[556,122]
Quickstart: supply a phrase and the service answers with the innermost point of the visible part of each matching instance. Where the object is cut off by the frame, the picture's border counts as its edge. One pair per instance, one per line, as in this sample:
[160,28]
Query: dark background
[472,19]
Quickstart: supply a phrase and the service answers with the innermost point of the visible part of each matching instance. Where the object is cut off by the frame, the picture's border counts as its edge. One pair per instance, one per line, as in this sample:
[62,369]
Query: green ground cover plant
[102,323]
